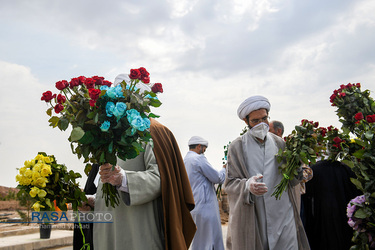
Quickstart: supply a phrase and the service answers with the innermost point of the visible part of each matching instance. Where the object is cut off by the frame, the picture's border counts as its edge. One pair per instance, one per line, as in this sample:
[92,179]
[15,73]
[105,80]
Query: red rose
[94,93]
[107,83]
[337,140]
[90,83]
[47,96]
[144,72]
[370,118]
[145,79]
[342,94]
[98,80]
[157,88]
[316,124]
[58,108]
[358,116]
[358,85]
[92,102]
[61,98]
[74,83]
[60,85]
[134,74]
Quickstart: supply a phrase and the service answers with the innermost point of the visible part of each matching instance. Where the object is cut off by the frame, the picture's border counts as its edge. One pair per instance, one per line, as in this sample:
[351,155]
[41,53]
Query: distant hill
[4,191]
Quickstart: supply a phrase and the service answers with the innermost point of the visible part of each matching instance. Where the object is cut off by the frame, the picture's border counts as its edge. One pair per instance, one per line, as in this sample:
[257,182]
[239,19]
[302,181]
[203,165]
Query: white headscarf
[195,140]
[123,77]
[251,104]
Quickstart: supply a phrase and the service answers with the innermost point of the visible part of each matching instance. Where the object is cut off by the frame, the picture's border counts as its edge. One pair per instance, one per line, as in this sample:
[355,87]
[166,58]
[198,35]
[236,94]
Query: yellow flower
[38,166]
[29,164]
[34,191]
[42,193]
[47,159]
[39,157]
[41,182]
[46,170]
[25,181]
[22,170]
[19,178]
[37,206]
[36,175]
[28,173]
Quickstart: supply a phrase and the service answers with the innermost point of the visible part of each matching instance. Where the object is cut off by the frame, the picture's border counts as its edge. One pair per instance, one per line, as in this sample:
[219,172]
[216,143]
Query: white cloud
[209,55]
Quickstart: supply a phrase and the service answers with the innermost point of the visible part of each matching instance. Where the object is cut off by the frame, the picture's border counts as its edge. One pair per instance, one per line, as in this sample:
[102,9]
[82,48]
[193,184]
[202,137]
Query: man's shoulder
[278,140]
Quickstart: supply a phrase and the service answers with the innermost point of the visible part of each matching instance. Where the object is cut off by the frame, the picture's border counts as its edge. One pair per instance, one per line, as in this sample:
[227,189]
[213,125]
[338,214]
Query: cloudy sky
[209,55]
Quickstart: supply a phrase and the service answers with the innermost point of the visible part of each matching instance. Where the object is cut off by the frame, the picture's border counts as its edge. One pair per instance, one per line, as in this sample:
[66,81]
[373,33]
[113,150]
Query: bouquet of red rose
[107,121]
[303,145]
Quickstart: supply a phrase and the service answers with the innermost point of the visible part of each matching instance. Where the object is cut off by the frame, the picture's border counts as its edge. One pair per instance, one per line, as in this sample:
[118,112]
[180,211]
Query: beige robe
[243,230]
[138,219]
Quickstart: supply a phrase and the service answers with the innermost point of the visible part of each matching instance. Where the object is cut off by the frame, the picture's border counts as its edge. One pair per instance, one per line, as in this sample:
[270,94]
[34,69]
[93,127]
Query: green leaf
[360,213]
[53,121]
[111,158]
[63,123]
[49,111]
[359,153]
[348,163]
[369,135]
[87,138]
[77,134]
[357,183]
[303,157]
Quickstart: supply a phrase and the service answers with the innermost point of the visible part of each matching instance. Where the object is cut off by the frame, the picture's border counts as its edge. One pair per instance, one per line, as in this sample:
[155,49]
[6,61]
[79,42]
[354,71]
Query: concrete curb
[58,238]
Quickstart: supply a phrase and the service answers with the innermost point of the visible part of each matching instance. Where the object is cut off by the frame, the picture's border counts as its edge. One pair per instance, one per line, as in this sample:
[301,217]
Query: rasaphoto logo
[71,217]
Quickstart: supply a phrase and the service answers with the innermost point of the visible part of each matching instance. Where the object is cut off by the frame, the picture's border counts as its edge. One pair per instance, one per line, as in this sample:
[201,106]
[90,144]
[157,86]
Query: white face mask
[260,130]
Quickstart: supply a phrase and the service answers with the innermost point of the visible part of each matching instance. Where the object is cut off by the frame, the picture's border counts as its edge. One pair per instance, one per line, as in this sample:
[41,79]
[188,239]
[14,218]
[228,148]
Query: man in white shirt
[206,215]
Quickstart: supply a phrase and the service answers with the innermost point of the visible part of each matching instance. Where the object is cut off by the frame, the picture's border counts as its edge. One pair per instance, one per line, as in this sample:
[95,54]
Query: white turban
[251,104]
[123,77]
[195,140]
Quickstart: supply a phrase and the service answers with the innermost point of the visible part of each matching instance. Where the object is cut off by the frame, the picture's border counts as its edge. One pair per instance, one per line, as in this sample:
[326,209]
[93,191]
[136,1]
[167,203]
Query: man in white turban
[202,177]
[257,220]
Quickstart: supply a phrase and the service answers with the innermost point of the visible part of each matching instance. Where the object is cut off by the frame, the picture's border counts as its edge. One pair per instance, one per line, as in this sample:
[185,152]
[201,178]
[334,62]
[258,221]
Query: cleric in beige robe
[257,220]
[155,196]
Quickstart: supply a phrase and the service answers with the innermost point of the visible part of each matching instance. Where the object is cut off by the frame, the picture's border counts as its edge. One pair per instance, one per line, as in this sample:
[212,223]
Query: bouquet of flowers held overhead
[47,181]
[303,145]
[107,121]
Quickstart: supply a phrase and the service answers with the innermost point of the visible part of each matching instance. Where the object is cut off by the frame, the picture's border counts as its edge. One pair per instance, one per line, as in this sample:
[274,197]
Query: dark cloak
[325,202]
[87,228]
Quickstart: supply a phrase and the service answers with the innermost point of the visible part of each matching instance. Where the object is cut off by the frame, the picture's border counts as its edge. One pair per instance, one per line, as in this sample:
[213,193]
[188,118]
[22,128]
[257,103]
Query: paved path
[60,240]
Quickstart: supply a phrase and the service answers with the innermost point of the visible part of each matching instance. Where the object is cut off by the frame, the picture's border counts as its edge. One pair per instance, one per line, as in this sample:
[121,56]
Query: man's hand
[107,175]
[255,187]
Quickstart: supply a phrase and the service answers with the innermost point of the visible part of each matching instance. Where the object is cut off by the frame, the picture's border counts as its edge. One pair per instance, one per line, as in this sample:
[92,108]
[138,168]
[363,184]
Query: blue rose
[132,114]
[109,108]
[114,92]
[104,87]
[150,97]
[138,123]
[118,91]
[105,126]
[119,110]
[147,123]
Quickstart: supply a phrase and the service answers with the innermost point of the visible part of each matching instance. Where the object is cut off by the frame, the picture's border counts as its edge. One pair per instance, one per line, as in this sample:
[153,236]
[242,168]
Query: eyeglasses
[256,121]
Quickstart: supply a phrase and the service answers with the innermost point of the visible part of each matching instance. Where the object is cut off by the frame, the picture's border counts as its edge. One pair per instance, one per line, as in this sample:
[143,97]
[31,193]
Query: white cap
[195,140]
[251,104]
